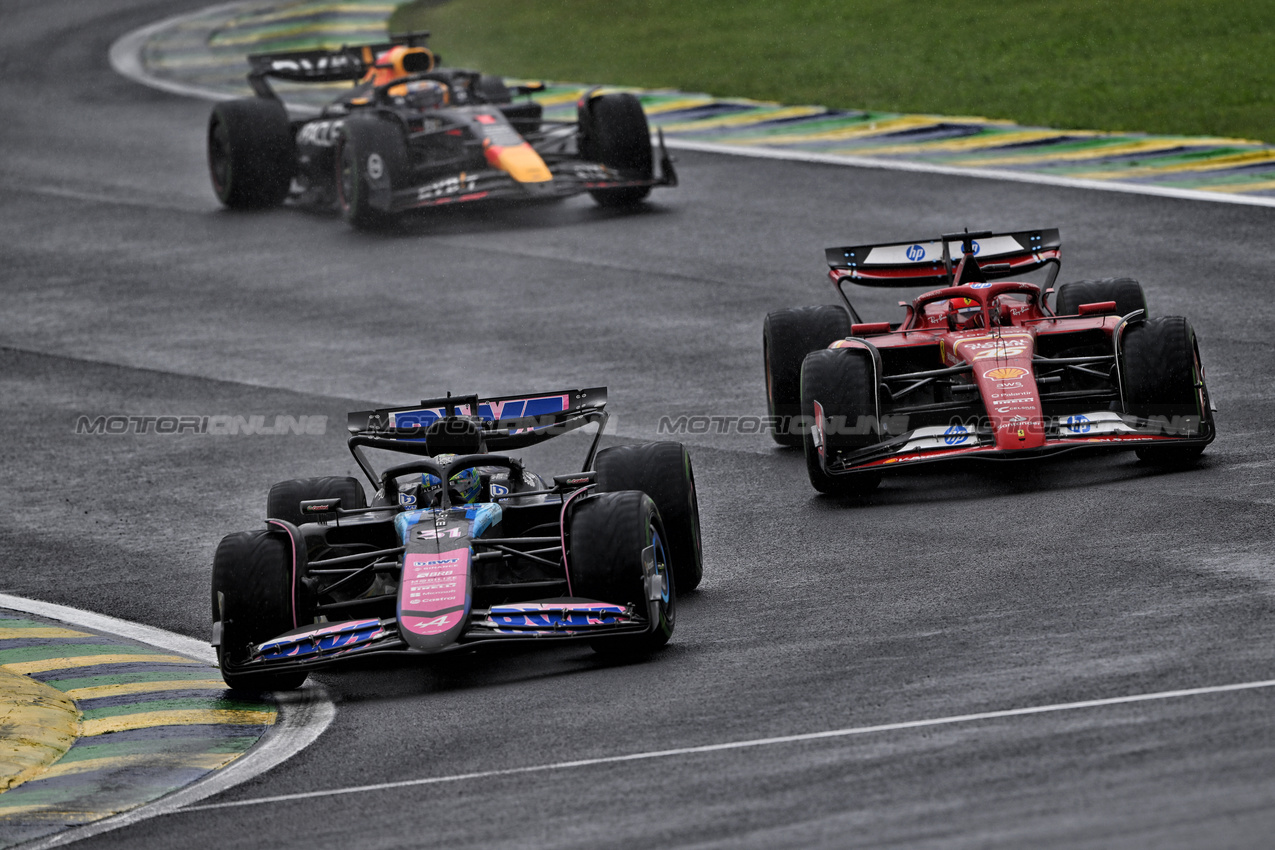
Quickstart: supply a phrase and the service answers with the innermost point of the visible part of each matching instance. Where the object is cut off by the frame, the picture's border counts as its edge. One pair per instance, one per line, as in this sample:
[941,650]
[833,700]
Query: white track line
[757,742]
[982,173]
[125,56]
[303,717]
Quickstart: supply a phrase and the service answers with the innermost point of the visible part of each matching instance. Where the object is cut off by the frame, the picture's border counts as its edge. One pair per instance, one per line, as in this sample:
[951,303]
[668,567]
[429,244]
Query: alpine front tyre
[607,535]
[787,337]
[251,153]
[255,598]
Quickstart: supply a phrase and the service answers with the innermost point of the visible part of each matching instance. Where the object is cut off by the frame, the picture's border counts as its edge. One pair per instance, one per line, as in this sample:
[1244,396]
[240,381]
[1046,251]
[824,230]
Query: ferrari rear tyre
[371,160]
[663,472]
[1126,292]
[251,153]
[285,498]
[607,535]
[843,382]
[1163,383]
[615,133]
[787,337]
[253,597]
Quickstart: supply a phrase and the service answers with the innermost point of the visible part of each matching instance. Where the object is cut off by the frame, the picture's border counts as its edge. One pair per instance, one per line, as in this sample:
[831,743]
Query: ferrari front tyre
[1126,292]
[614,132]
[843,382]
[251,152]
[663,472]
[285,498]
[253,598]
[607,535]
[371,161]
[1163,383]
[787,337]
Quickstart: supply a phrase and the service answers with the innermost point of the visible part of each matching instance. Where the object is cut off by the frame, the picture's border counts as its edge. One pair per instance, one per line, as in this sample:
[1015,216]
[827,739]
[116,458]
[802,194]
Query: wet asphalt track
[126,290]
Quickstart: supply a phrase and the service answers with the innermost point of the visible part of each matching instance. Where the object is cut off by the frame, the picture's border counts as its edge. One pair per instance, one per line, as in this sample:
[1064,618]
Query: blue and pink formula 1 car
[981,368]
[461,545]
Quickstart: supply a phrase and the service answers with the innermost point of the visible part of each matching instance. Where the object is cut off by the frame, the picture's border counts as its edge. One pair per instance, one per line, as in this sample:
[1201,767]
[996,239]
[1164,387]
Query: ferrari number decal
[375,166]
[447,186]
[1000,352]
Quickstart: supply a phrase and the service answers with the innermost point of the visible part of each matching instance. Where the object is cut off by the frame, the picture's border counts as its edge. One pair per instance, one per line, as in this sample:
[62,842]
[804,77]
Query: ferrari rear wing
[932,263]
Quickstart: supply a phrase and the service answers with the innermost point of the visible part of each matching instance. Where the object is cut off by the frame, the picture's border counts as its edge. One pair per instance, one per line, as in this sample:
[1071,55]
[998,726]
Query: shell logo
[1005,373]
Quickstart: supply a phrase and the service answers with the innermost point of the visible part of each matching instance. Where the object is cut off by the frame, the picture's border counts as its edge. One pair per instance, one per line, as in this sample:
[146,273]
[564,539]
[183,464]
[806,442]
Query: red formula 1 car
[981,368]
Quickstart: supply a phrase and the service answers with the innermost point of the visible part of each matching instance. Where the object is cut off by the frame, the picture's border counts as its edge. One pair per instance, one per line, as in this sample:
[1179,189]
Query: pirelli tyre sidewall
[614,132]
[664,472]
[253,597]
[842,380]
[251,152]
[606,535]
[371,161]
[787,337]
[1163,382]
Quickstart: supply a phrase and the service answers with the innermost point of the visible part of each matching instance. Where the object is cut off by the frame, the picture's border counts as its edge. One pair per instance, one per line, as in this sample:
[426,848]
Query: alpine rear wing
[471,424]
[345,63]
[933,263]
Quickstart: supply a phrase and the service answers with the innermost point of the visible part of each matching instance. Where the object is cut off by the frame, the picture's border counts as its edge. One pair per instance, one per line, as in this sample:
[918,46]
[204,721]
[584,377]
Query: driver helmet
[462,488]
[964,314]
[423,94]
[398,62]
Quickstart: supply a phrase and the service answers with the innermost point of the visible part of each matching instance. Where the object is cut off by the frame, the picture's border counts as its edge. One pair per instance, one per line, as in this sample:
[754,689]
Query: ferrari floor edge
[150,726]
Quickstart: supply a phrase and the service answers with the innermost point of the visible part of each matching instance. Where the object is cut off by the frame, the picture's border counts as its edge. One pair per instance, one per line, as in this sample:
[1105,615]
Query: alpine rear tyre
[253,597]
[662,471]
[251,153]
[787,337]
[607,535]
[285,498]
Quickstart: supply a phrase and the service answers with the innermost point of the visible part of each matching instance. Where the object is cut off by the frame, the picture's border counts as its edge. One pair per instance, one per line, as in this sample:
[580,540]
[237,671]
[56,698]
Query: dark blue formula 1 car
[461,545]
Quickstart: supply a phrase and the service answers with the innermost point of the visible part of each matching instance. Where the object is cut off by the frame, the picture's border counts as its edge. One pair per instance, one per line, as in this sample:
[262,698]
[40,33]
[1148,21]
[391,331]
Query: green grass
[1200,67]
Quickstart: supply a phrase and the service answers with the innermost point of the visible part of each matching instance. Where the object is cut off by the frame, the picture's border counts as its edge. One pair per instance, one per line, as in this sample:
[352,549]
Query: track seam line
[749,744]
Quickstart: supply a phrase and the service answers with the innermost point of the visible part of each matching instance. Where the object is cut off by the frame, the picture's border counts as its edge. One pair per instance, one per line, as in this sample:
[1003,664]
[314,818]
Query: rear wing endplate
[932,263]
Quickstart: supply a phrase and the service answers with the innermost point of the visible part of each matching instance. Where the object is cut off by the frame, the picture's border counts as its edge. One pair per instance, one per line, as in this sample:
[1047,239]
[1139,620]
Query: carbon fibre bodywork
[478,143]
[408,578]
